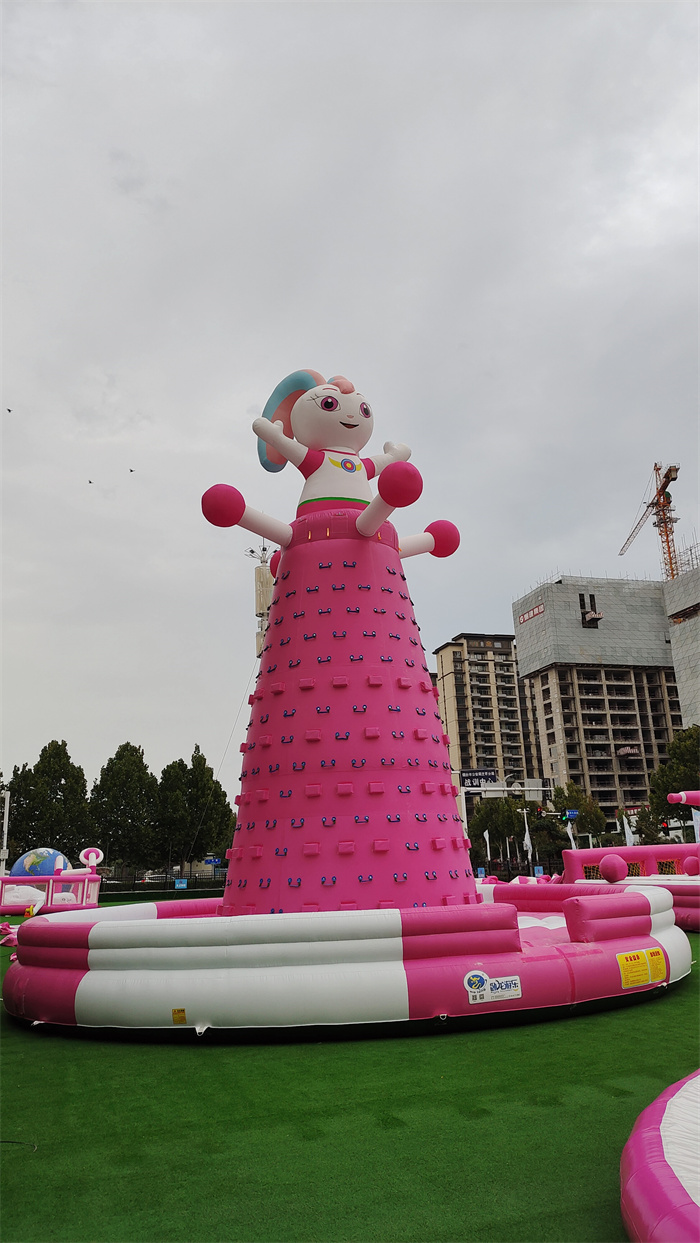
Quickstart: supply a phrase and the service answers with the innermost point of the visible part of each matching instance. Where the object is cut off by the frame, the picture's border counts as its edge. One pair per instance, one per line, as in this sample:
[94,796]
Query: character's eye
[365,410]
[329,403]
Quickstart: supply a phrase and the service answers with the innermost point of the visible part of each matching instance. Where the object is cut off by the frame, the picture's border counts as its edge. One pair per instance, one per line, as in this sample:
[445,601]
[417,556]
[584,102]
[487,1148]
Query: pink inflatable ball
[223,505]
[446,536]
[612,868]
[274,562]
[400,484]
[691,865]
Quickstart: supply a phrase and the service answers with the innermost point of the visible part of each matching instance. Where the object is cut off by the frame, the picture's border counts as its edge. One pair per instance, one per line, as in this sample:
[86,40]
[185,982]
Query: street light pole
[5,822]
[527,840]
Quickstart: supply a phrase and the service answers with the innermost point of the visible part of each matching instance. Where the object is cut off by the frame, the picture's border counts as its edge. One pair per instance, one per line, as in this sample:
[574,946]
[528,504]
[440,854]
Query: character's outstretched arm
[273,434]
[392,453]
[224,506]
[440,538]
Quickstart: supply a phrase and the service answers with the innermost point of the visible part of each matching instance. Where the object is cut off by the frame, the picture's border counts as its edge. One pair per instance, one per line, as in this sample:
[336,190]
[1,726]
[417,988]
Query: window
[589,616]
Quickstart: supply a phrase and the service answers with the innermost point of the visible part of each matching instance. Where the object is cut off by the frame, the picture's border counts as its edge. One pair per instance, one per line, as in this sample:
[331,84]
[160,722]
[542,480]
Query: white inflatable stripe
[249,929]
[104,914]
[677,947]
[643,882]
[651,881]
[543,921]
[680,1136]
[271,997]
[659,899]
[181,957]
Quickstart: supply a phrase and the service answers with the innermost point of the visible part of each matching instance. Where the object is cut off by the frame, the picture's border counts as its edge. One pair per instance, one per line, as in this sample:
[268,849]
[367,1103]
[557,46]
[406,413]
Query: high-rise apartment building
[480,708]
[594,659]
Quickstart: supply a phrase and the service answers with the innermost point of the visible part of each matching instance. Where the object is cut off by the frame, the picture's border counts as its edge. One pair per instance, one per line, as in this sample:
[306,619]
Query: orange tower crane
[660,505]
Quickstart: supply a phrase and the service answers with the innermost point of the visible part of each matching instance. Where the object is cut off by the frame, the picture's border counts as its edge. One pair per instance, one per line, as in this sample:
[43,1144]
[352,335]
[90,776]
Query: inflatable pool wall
[347,800]
[660,1168]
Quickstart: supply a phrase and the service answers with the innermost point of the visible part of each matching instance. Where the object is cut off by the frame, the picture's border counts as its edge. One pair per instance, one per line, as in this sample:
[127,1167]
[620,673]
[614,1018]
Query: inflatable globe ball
[40,862]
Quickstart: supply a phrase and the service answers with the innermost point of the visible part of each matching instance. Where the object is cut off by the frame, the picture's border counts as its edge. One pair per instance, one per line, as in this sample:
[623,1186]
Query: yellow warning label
[642,967]
[657,964]
[634,969]
[180,1016]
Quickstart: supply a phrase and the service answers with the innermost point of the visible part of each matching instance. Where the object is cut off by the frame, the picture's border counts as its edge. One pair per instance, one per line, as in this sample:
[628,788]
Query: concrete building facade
[595,662]
[682,604]
[480,708]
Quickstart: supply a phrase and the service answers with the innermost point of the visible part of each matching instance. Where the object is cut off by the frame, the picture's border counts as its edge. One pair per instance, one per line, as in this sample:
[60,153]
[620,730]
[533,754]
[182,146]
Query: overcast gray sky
[484,214]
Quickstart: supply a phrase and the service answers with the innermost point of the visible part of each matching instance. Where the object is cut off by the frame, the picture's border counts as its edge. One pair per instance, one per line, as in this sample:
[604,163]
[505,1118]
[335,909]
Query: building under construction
[596,661]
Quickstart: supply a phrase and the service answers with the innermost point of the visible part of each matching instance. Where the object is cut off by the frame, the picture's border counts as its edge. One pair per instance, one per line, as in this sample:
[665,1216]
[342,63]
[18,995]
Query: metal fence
[161,881]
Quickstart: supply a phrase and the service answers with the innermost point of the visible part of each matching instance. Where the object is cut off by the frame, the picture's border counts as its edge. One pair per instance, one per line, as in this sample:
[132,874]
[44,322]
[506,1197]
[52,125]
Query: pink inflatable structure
[349,896]
[78,888]
[660,1168]
[674,867]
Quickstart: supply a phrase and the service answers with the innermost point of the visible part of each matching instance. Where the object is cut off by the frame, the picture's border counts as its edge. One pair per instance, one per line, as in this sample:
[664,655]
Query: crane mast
[660,505]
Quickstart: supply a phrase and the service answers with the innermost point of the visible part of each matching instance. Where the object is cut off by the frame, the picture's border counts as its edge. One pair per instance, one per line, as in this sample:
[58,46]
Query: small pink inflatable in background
[691,797]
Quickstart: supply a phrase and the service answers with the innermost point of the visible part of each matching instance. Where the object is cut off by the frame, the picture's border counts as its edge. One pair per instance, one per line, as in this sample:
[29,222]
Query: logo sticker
[481,987]
[347,464]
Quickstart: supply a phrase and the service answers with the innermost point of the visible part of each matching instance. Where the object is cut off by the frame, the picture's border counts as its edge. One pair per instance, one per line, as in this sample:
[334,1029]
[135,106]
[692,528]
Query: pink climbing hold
[223,505]
[446,536]
[400,484]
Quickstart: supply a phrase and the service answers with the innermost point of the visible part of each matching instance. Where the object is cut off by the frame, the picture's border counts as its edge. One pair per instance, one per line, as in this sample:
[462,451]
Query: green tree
[501,819]
[646,827]
[549,838]
[194,815]
[173,826]
[590,819]
[24,813]
[124,805]
[49,805]
[680,772]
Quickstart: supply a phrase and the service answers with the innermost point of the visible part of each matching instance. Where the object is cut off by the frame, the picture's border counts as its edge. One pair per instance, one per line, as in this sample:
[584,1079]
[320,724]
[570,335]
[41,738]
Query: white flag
[570,831]
[487,839]
[696,822]
[629,840]
[527,841]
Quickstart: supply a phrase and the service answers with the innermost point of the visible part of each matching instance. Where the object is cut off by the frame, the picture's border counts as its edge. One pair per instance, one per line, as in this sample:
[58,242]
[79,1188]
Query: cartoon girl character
[321,427]
[345,756]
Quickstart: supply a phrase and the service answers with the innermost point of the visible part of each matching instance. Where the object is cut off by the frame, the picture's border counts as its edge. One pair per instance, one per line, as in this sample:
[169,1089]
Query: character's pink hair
[340,382]
[279,405]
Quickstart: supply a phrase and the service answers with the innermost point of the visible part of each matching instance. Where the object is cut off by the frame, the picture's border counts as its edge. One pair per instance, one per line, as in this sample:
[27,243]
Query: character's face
[325,418]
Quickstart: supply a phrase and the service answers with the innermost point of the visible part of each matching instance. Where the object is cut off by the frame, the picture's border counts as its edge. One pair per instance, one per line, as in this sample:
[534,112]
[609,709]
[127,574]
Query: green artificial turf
[510,1134]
